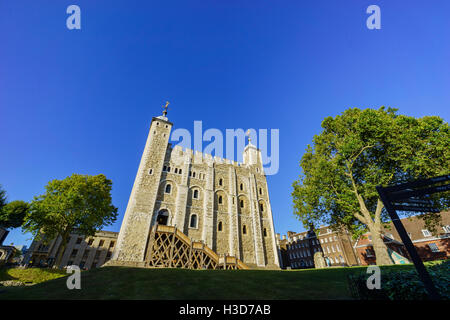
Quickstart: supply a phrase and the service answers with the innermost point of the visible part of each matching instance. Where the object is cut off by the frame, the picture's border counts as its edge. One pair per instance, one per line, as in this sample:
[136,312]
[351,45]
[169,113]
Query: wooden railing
[169,247]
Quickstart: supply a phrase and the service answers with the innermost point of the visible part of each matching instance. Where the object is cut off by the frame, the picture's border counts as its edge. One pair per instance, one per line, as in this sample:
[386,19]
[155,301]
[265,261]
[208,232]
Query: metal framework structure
[168,247]
[406,197]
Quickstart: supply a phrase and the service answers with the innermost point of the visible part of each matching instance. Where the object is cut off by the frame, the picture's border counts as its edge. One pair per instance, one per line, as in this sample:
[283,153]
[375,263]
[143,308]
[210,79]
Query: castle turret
[136,224]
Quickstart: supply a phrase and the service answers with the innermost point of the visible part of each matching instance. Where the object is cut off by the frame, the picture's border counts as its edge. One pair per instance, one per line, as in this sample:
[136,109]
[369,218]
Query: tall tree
[355,152]
[3,198]
[80,203]
[13,214]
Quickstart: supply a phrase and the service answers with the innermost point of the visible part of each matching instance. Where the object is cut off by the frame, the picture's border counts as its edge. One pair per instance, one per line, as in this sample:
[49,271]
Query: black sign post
[403,197]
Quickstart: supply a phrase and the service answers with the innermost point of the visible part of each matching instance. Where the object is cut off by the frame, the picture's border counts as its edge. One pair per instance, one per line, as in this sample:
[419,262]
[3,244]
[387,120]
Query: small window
[244,229]
[150,171]
[369,253]
[220,182]
[242,203]
[261,207]
[90,241]
[265,232]
[220,199]
[241,187]
[193,174]
[164,168]
[195,194]
[168,188]
[426,233]
[111,244]
[219,227]
[179,171]
[193,223]
[168,169]
[176,170]
[434,247]
[101,243]
[260,191]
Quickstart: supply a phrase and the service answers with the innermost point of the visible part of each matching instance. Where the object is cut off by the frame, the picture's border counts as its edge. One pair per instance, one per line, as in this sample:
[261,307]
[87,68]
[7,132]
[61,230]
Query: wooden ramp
[168,247]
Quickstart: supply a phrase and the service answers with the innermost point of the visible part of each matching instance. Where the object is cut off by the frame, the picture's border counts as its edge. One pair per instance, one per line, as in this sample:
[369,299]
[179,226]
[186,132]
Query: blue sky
[81,101]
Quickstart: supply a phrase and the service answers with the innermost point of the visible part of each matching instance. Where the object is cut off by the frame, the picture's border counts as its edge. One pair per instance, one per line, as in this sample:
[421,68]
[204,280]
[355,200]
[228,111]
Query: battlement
[177,153]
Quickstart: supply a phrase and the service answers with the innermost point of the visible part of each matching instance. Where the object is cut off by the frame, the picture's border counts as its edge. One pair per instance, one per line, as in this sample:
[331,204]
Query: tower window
[220,199]
[195,194]
[219,228]
[265,232]
[193,174]
[179,171]
[260,191]
[261,207]
[244,229]
[242,203]
[168,188]
[241,187]
[168,169]
[220,182]
[176,170]
[165,168]
[193,223]
[150,171]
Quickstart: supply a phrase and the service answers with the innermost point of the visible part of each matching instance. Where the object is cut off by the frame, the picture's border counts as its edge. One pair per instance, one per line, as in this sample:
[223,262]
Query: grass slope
[169,284]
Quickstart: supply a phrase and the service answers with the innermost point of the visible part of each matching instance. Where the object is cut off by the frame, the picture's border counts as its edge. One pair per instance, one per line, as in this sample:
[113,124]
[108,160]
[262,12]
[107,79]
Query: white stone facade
[223,203]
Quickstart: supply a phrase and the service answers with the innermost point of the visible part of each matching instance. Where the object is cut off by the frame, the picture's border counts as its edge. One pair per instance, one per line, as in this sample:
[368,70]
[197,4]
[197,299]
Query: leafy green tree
[359,150]
[3,198]
[79,203]
[13,214]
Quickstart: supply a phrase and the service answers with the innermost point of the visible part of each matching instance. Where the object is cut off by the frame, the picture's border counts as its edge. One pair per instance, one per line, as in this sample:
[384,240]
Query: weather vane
[165,108]
[248,134]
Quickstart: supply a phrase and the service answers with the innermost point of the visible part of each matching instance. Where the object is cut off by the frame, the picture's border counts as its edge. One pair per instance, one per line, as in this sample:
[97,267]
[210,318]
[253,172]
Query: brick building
[429,245]
[297,251]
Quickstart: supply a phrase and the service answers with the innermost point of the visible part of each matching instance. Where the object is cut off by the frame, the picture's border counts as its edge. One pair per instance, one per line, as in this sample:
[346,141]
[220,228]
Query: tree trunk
[380,248]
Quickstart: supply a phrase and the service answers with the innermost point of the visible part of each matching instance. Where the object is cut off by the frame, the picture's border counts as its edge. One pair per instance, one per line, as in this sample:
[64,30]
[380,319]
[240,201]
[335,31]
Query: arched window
[220,182]
[193,223]
[193,174]
[168,188]
[242,203]
[163,217]
[261,207]
[244,229]
[220,199]
[241,187]
[219,227]
[260,191]
[195,194]
[265,232]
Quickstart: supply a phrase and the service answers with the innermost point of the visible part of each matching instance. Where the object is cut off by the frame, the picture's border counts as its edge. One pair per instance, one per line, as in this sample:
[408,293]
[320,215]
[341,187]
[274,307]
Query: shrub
[403,285]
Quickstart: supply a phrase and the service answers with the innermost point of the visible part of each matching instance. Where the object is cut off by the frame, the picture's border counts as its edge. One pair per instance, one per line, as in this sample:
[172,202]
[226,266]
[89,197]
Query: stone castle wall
[230,201]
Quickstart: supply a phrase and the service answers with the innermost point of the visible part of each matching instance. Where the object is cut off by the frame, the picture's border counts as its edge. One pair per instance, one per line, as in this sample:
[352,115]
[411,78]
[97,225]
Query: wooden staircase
[168,247]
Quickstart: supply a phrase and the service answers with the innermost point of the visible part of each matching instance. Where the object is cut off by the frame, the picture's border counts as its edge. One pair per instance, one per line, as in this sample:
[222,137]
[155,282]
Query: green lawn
[137,283]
